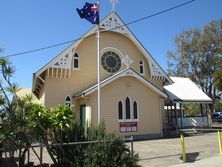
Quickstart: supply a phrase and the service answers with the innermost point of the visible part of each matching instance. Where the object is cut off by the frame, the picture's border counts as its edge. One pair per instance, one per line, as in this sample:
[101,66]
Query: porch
[181,93]
[176,115]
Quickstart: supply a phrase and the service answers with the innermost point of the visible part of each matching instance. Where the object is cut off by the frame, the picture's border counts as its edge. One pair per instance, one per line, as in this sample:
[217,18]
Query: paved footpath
[200,149]
[208,162]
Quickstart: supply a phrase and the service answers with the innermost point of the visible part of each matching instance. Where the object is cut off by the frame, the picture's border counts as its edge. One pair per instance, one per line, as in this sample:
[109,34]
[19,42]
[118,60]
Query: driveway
[167,152]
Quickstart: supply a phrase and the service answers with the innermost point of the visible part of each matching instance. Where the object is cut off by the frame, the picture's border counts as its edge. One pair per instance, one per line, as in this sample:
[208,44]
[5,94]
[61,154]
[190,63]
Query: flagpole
[98,66]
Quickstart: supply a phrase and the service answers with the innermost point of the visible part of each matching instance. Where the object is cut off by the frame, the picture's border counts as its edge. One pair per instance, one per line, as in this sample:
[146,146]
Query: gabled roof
[123,73]
[112,22]
[184,90]
[24,92]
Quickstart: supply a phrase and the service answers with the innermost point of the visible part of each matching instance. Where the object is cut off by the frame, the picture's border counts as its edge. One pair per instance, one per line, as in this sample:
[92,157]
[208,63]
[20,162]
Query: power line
[129,23]
[158,13]
[39,49]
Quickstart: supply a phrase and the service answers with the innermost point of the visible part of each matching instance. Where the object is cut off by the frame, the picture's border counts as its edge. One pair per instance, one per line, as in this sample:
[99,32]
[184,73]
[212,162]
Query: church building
[132,82]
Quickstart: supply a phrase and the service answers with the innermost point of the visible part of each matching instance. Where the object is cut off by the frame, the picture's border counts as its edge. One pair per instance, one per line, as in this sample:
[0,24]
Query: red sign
[128,126]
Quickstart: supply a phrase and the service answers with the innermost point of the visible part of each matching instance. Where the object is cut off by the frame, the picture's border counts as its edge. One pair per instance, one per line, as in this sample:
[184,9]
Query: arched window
[135,110]
[141,65]
[76,61]
[128,108]
[120,110]
[68,101]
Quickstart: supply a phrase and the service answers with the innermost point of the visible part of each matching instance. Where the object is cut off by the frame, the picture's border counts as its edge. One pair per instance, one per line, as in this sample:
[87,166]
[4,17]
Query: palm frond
[9,70]
[13,88]
[4,61]
[2,101]
[28,98]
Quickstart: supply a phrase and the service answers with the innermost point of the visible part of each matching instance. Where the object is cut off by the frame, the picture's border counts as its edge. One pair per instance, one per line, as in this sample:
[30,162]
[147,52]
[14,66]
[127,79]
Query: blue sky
[32,24]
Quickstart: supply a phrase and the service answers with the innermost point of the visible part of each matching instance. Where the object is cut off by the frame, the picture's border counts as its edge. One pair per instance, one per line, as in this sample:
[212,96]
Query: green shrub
[112,152]
[60,125]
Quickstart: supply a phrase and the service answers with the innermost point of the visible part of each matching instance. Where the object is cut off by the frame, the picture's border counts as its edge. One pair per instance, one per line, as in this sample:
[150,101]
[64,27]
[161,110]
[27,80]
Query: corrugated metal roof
[184,90]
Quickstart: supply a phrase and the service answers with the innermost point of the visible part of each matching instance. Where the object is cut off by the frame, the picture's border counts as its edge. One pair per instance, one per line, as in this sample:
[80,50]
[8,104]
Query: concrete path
[208,162]
[167,152]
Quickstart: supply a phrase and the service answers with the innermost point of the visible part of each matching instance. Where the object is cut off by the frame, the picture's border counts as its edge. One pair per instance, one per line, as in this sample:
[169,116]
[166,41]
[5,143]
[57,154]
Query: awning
[184,90]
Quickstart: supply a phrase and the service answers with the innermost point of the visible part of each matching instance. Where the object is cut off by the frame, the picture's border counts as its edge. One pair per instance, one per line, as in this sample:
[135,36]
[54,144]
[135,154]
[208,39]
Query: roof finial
[113,2]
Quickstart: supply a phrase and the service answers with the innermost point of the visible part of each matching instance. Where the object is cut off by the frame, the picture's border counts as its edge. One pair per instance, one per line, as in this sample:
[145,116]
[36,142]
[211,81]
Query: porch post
[171,113]
[168,116]
[175,112]
[181,115]
[201,109]
[202,114]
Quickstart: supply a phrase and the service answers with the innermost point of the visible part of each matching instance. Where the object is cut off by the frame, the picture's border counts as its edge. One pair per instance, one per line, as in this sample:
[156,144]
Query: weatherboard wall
[56,89]
[149,110]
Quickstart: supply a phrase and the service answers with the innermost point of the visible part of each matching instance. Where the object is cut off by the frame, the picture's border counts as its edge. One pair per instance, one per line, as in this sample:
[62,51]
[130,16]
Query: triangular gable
[124,73]
[158,75]
[110,23]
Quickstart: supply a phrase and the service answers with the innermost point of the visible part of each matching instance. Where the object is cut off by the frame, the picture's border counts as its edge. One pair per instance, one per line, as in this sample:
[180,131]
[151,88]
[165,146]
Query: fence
[37,154]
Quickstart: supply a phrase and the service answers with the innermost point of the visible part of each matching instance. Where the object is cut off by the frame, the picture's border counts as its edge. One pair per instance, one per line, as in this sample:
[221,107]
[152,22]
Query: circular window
[111,61]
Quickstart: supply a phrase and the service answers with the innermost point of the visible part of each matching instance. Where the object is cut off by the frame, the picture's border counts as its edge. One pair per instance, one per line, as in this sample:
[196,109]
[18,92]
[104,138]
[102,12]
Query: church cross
[127,61]
[113,2]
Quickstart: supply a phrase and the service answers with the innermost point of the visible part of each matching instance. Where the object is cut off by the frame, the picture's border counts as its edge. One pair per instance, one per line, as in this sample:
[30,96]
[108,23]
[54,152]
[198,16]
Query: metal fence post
[132,151]
[219,142]
[28,156]
[40,155]
[183,147]
[20,156]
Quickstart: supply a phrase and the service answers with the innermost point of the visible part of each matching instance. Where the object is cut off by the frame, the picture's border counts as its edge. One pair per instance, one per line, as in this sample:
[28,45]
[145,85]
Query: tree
[198,55]
[218,77]
[51,125]
[13,130]
[22,123]
[218,85]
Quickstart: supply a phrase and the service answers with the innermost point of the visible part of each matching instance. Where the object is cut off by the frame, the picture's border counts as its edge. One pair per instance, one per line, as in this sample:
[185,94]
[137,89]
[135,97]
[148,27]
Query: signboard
[128,126]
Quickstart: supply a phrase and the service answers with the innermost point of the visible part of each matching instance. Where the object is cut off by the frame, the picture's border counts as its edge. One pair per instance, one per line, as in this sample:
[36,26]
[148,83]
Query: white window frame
[73,60]
[141,64]
[112,49]
[122,111]
[137,110]
[131,110]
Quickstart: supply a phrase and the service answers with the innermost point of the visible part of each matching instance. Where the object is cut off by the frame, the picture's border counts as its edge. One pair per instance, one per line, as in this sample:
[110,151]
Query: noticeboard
[127,127]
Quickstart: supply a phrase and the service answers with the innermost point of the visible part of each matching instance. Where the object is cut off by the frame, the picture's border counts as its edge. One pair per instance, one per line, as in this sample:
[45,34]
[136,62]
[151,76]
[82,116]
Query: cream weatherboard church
[132,82]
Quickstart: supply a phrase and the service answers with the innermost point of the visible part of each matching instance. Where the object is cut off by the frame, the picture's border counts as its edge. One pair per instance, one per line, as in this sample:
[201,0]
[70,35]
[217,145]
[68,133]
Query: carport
[183,90]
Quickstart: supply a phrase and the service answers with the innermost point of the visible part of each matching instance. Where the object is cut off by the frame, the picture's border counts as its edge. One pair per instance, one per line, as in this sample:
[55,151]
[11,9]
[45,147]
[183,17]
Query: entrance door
[83,116]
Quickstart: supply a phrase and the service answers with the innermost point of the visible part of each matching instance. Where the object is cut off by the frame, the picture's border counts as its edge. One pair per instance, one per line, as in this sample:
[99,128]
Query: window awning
[184,90]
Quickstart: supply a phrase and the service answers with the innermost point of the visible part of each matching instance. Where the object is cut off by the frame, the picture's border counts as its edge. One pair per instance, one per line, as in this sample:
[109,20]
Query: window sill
[129,120]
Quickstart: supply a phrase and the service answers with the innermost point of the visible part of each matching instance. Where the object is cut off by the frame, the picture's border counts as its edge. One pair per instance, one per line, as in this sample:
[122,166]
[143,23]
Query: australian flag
[89,12]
